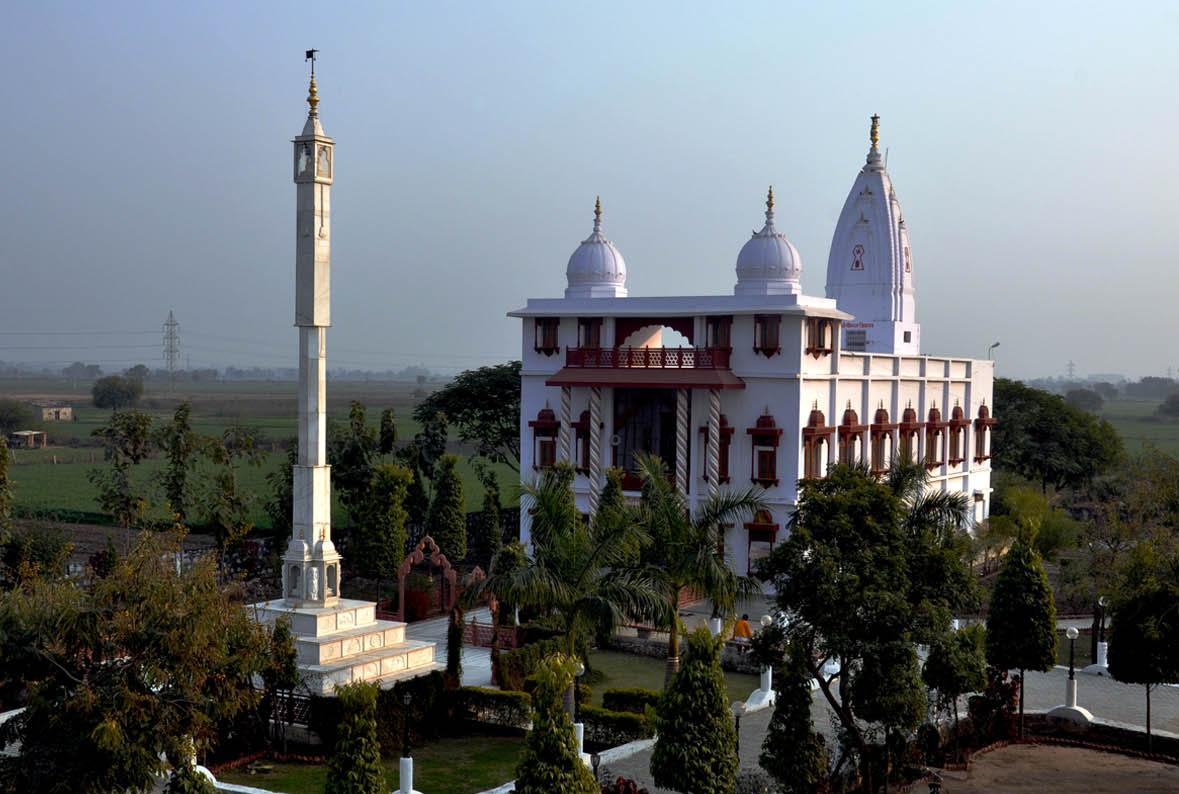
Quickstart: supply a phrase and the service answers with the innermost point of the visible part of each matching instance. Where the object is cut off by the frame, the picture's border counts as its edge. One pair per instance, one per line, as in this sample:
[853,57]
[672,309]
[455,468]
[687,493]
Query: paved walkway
[1105,698]
[476,661]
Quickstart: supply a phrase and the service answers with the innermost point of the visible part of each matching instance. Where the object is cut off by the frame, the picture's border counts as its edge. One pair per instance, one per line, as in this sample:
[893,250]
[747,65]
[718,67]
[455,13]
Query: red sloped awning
[646,378]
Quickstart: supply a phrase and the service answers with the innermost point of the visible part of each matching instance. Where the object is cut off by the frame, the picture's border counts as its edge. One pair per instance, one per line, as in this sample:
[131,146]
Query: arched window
[761,531]
[726,440]
[818,336]
[958,425]
[982,434]
[882,441]
[815,438]
[765,334]
[546,335]
[764,463]
[935,431]
[910,431]
[851,437]
[589,331]
[544,439]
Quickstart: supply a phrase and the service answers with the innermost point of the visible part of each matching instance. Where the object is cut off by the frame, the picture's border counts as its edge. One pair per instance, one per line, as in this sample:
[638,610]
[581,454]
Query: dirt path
[1024,769]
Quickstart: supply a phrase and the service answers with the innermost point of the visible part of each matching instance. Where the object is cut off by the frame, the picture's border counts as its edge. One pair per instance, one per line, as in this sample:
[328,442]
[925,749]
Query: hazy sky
[1033,147]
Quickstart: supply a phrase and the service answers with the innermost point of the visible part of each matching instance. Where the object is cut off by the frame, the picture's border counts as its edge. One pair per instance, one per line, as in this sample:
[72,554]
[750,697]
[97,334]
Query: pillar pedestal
[1070,711]
[764,696]
[407,777]
[1101,666]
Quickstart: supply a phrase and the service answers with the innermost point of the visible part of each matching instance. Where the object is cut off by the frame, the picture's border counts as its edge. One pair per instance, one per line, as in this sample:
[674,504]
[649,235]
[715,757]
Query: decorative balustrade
[648,357]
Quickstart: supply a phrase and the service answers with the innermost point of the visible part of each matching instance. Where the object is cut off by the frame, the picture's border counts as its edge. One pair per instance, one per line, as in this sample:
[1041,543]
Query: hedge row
[429,713]
[494,706]
[633,699]
[605,728]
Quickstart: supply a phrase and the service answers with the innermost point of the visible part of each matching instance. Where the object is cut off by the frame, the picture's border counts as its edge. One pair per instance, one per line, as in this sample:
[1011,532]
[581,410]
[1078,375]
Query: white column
[595,451]
[713,470]
[565,431]
[681,441]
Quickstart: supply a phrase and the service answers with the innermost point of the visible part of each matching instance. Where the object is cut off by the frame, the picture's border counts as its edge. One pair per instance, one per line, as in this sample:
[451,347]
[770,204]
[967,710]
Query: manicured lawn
[459,765]
[621,670]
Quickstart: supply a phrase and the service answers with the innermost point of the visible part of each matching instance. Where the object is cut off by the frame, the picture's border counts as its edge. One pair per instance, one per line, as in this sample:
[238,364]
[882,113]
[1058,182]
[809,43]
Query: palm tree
[686,551]
[582,570]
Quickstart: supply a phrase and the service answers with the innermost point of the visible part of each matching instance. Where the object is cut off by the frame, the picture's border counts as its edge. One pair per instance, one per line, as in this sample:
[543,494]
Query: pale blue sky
[1032,147]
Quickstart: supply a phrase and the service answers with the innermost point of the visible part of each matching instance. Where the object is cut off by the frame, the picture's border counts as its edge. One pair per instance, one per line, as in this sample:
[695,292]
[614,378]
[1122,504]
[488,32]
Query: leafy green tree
[382,523]
[351,453]
[186,779]
[1085,399]
[421,456]
[792,754]
[955,666]
[1023,512]
[280,676]
[36,550]
[387,433]
[454,646]
[136,669]
[14,415]
[128,440]
[892,557]
[447,522]
[696,743]
[1021,621]
[355,763]
[281,504]
[1170,406]
[5,486]
[683,547]
[181,446]
[226,505]
[549,763]
[577,568]
[1144,638]
[116,392]
[487,534]
[484,405]
[1047,440]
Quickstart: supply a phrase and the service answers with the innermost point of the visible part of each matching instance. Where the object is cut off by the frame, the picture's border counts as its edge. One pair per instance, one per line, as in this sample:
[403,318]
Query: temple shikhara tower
[338,640]
[765,386]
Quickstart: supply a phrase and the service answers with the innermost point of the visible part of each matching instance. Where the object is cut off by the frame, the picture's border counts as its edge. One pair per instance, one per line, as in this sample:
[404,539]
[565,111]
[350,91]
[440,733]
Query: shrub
[696,752]
[515,666]
[623,785]
[549,763]
[493,706]
[611,728]
[355,764]
[633,699]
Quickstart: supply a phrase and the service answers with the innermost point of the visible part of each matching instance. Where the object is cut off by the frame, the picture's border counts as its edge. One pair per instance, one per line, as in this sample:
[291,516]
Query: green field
[53,480]
[1139,424]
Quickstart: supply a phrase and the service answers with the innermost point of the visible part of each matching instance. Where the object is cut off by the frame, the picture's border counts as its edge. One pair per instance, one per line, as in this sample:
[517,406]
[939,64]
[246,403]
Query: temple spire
[770,205]
[875,134]
[598,214]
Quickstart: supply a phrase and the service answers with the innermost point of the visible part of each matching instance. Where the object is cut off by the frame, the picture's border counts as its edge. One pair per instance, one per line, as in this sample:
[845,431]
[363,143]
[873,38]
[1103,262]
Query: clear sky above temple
[148,168]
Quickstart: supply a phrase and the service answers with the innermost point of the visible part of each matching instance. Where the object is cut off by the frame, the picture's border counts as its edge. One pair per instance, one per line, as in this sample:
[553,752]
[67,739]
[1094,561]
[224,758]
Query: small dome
[768,264]
[596,269]
[881,417]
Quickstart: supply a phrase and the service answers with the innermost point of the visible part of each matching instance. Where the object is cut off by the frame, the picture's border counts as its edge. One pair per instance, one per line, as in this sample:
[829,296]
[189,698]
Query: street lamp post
[1071,693]
[406,766]
[577,692]
[990,349]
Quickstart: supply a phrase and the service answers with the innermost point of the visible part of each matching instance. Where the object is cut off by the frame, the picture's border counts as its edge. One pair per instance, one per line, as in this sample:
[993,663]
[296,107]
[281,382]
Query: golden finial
[875,130]
[882,403]
[816,406]
[770,200]
[598,210]
[313,98]
[849,405]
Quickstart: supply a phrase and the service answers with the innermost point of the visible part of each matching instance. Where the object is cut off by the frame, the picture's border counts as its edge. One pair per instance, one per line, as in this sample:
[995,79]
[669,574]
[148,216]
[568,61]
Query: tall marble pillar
[311,565]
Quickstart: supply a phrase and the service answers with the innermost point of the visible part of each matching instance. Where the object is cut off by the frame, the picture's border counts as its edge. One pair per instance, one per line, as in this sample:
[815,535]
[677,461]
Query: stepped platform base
[345,643]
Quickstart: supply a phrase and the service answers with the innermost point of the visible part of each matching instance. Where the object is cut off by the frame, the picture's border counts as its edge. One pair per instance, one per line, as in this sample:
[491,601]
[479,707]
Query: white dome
[596,269]
[768,264]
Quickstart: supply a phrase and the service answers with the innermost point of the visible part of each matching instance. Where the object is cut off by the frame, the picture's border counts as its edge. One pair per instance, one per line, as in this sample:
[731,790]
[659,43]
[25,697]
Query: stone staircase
[346,643]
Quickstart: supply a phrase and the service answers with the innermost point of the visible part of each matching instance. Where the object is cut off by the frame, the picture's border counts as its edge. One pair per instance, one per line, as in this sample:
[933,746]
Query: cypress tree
[549,763]
[696,748]
[447,522]
[487,537]
[791,753]
[1021,623]
[355,763]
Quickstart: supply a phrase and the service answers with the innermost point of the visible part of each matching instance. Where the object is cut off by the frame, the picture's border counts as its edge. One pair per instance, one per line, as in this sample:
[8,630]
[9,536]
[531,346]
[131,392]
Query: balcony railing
[648,357]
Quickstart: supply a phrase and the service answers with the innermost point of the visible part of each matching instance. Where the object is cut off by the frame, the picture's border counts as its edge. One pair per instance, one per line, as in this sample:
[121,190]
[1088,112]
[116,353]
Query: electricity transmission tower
[171,348]
[1072,370]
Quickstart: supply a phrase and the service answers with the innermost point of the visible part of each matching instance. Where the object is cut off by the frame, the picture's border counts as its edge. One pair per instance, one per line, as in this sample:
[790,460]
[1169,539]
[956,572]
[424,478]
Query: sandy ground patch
[1029,768]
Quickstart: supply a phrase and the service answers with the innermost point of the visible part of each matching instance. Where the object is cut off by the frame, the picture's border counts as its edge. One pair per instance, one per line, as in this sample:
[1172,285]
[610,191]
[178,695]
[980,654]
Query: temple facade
[763,387]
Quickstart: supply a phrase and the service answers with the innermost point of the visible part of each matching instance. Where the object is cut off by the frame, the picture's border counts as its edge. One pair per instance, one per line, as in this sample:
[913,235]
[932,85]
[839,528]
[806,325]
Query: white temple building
[774,386]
